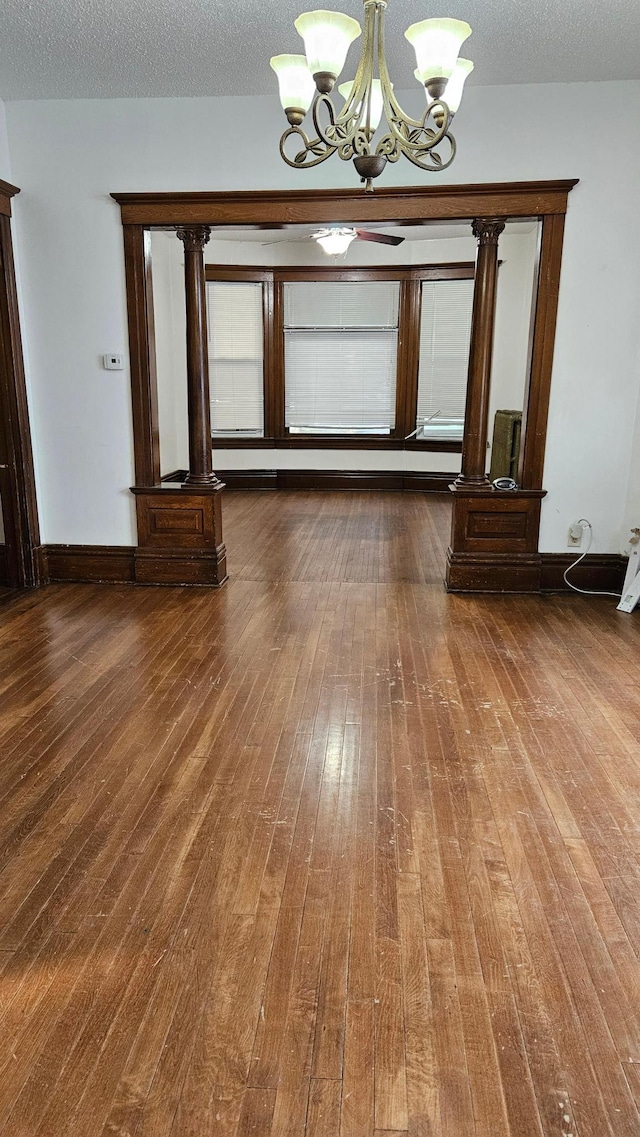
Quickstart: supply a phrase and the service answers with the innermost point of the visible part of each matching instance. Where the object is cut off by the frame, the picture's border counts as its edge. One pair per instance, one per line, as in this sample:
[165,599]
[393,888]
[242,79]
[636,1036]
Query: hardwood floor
[327,852]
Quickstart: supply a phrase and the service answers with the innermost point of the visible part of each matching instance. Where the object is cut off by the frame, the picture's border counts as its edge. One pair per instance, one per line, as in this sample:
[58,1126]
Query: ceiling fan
[335,239]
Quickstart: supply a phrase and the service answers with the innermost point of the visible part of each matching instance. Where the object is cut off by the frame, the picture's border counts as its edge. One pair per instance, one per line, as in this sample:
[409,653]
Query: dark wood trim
[423,482]
[180,535]
[101,564]
[450,270]
[20,508]
[536,572]
[4,573]
[454,270]
[598,571]
[250,479]
[337,442]
[201,472]
[538,389]
[277,405]
[142,354]
[476,419]
[176,477]
[284,208]
[239,274]
[7,191]
[543,572]
[409,344]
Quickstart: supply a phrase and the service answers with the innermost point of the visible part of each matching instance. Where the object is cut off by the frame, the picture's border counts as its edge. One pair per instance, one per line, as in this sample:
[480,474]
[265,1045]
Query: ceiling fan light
[437,44]
[335,241]
[453,90]
[377,101]
[295,81]
[327,37]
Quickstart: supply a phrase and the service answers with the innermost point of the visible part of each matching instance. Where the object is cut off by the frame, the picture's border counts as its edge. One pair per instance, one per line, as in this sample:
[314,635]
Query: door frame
[506,556]
[20,510]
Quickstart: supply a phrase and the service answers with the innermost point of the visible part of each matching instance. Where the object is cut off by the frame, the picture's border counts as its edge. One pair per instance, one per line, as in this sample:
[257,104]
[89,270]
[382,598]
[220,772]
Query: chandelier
[307,81]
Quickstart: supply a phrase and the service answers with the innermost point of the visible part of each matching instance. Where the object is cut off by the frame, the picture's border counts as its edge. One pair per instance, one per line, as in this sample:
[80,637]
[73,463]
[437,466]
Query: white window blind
[341,346]
[236,363]
[445,330]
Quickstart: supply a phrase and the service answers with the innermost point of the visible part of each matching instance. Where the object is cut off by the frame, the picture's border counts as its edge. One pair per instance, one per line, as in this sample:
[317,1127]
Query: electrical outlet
[574,538]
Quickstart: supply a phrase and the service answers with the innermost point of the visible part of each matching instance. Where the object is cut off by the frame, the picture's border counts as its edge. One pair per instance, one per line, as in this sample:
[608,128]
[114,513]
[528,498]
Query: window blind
[236,357]
[445,331]
[341,344]
[337,304]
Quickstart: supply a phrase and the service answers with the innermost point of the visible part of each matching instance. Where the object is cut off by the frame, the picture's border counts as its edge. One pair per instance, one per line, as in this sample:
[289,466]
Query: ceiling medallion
[307,81]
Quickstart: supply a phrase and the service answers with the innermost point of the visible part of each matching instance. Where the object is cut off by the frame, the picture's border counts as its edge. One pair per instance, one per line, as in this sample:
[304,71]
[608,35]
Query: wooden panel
[18,479]
[88,563]
[493,572]
[7,191]
[600,571]
[170,568]
[495,522]
[434,482]
[179,536]
[291,207]
[142,354]
[536,403]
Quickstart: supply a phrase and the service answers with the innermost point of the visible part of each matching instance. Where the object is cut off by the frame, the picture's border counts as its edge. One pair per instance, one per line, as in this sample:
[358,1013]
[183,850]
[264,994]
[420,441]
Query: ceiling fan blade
[287,240]
[381,238]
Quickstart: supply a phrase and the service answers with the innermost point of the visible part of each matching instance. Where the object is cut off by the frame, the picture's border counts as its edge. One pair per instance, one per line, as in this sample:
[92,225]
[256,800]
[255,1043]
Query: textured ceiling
[137,48]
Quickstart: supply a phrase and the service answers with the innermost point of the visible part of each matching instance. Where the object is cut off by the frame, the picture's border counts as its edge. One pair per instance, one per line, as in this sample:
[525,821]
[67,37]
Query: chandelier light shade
[306,82]
[454,88]
[327,38]
[296,83]
[437,45]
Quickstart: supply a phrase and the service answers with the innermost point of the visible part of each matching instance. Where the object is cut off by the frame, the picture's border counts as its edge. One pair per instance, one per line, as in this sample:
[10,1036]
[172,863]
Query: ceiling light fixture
[307,81]
[335,241]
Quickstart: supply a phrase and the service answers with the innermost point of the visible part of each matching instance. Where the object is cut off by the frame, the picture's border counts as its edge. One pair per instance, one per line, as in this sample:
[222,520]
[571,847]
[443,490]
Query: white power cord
[586,591]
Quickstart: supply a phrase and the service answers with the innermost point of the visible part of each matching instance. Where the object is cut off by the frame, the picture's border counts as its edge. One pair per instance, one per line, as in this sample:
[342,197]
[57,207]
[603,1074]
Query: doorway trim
[22,534]
[506,552]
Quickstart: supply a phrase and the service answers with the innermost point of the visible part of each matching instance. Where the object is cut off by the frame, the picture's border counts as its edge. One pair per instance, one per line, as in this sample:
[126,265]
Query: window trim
[273,278]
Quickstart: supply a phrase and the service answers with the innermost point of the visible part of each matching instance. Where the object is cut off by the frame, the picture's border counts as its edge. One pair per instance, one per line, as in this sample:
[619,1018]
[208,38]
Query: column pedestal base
[494,541]
[179,535]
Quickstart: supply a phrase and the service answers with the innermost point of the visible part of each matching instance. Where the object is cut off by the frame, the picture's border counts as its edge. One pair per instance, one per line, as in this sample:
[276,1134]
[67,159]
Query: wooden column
[194,239]
[474,446]
[180,525]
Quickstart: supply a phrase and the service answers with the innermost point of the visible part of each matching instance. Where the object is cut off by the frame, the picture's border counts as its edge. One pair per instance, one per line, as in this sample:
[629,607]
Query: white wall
[67,156]
[5,166]
[632,511]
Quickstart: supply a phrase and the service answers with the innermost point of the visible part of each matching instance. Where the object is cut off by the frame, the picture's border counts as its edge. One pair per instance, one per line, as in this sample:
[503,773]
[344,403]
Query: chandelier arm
[392,109]
[311,146]
[437,163]
[362,80]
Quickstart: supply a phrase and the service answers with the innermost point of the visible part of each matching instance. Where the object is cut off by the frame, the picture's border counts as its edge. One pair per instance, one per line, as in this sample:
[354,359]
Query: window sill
[337,442]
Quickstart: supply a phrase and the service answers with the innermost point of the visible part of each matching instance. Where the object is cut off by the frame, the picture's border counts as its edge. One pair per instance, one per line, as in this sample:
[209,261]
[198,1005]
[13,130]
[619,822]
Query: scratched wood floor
[326,853]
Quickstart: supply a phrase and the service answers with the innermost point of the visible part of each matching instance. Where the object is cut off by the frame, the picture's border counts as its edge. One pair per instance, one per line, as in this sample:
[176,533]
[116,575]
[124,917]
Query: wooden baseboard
[397,481]
[537,572]
[598,571]
[4,572]
[99,564]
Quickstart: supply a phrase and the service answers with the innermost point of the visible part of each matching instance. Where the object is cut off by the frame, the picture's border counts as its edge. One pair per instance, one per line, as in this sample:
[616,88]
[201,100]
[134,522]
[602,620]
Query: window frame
[273,279]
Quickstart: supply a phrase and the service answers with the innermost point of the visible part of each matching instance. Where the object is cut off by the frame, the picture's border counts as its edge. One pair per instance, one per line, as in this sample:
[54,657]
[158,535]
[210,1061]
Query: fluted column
[474,449]
[194,239]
